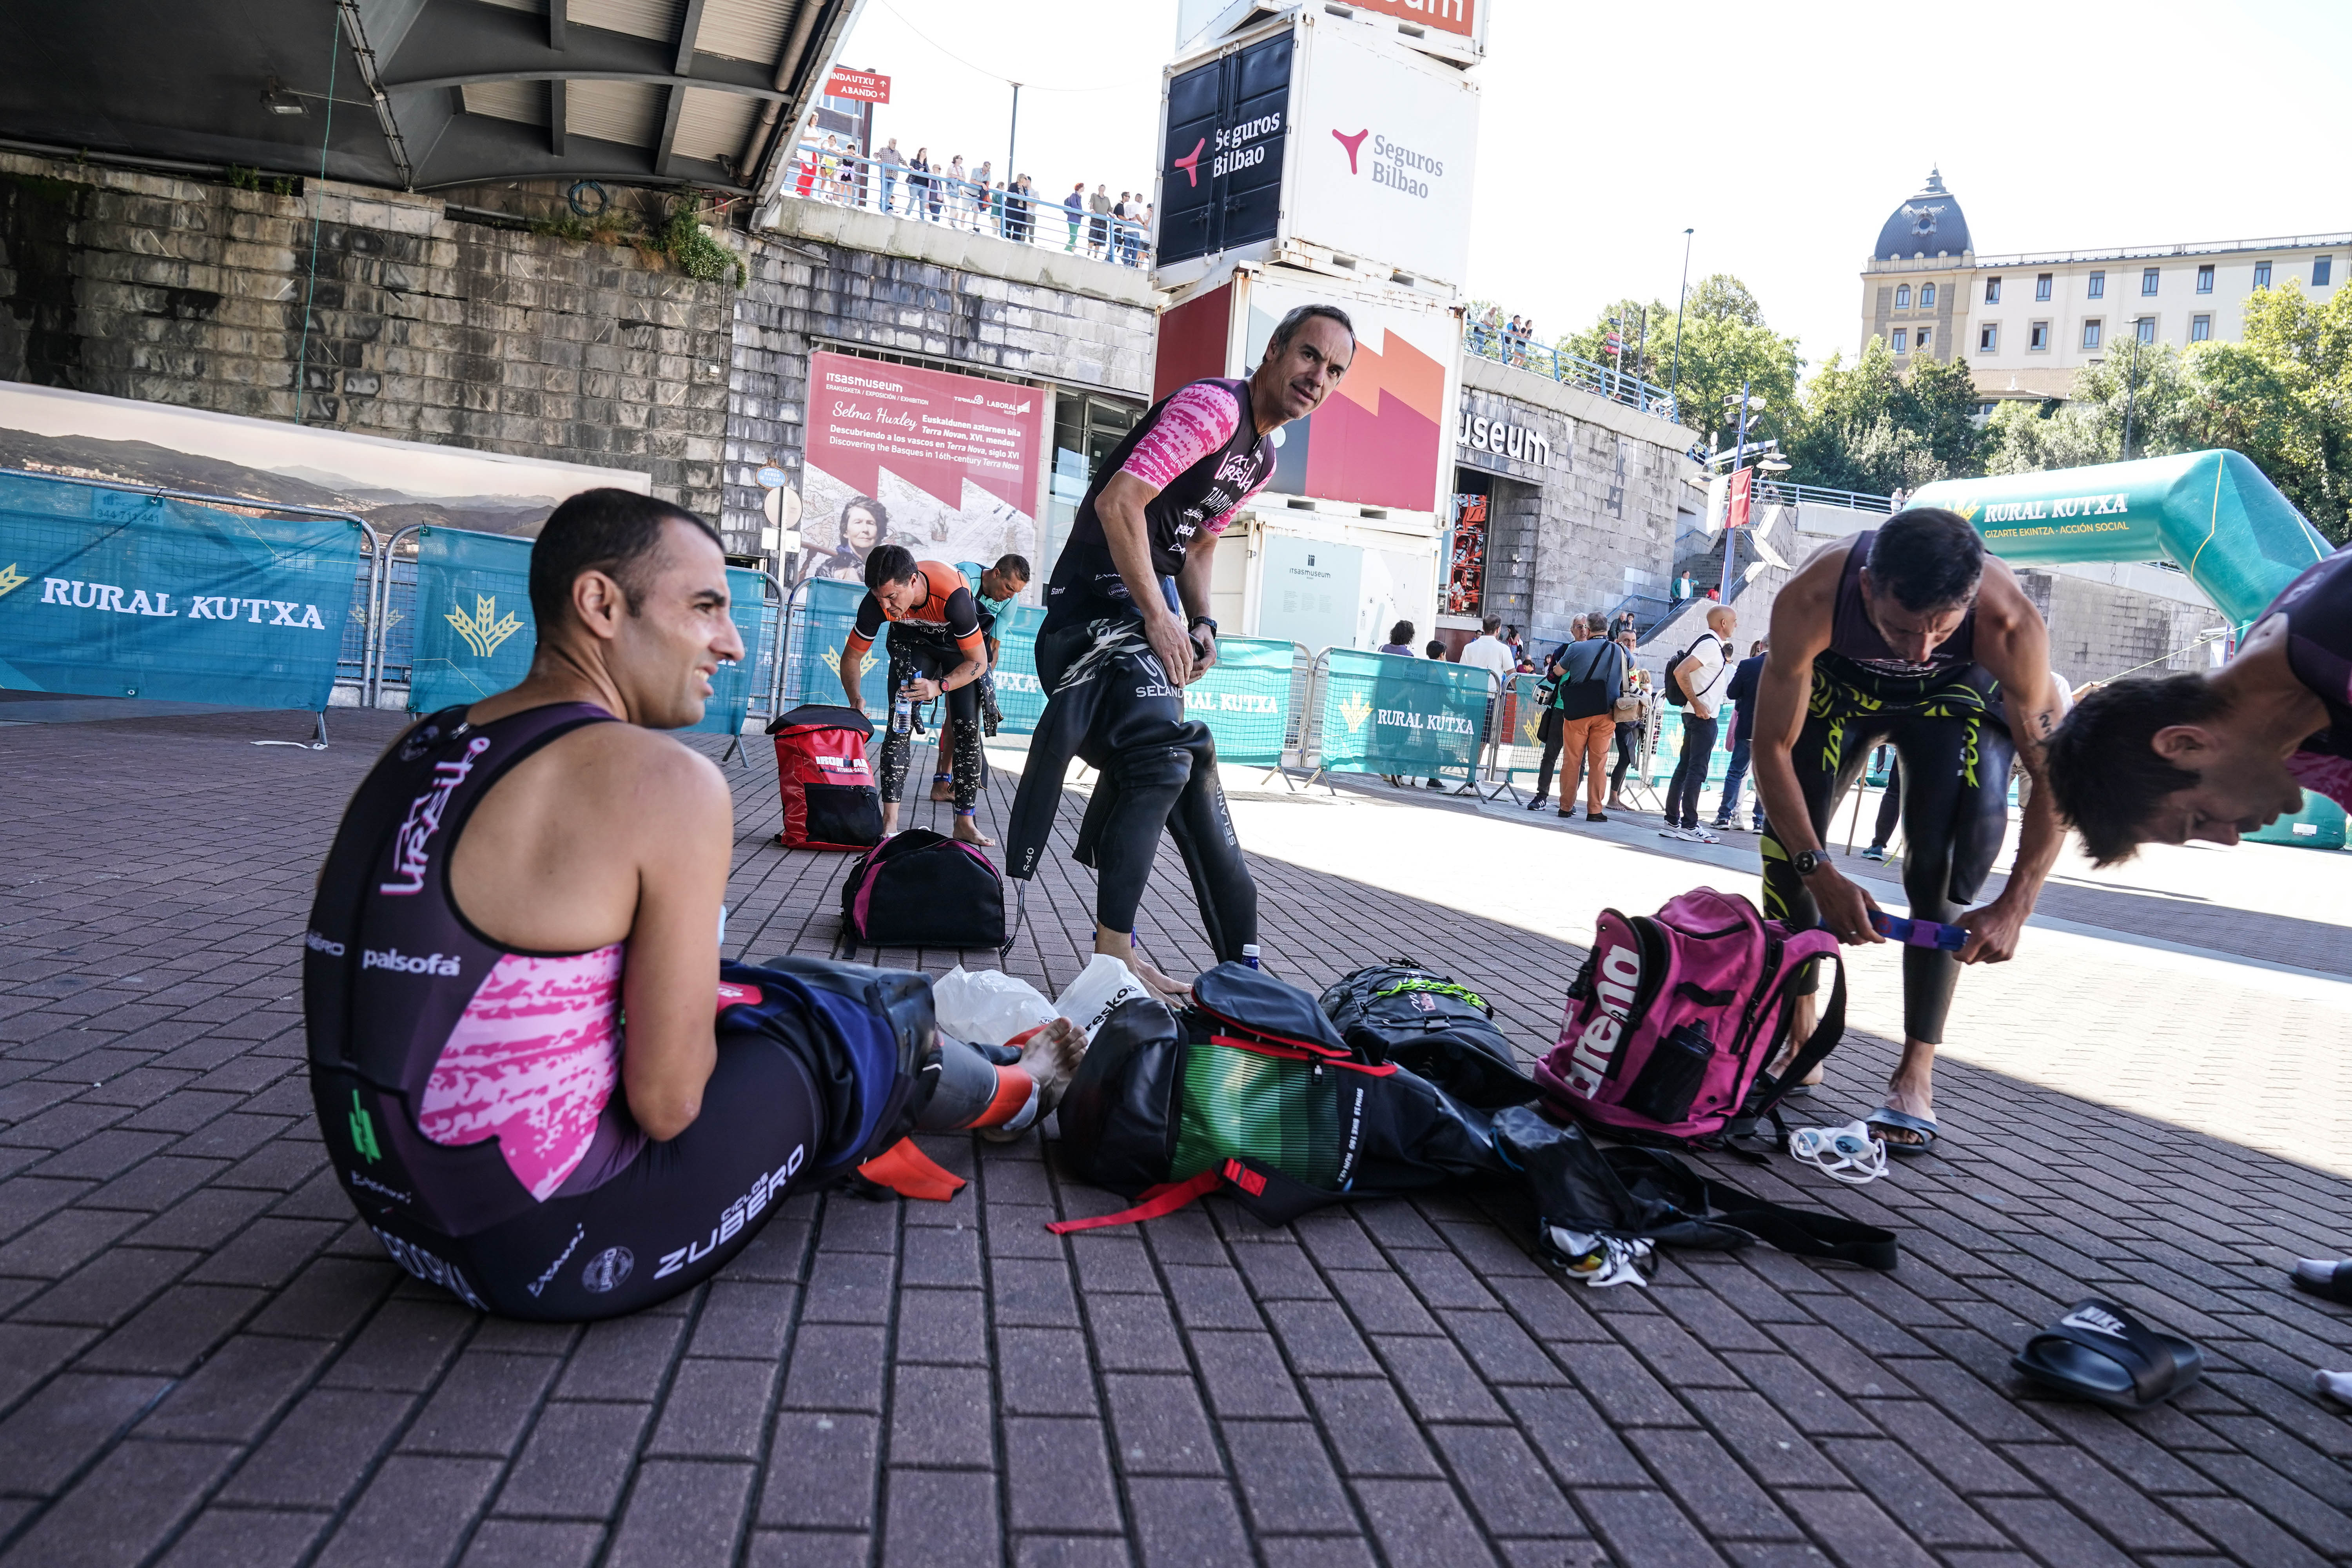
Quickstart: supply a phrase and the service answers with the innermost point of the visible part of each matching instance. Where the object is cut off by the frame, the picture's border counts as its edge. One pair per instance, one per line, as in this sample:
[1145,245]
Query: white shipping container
[1318,141]
[1451,29]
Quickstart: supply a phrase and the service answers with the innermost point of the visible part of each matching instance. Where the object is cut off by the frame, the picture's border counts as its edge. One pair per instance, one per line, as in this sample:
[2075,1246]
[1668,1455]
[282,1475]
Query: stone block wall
[2101,629]
[423,327]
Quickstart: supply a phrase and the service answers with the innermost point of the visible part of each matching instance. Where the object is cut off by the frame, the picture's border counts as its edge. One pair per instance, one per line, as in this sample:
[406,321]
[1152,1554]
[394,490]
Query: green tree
[2284,397]
[2143,387]
[1725,345]
[1872,427]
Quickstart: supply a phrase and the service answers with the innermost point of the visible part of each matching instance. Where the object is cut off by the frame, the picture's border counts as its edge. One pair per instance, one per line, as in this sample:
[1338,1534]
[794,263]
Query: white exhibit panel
[1308,591]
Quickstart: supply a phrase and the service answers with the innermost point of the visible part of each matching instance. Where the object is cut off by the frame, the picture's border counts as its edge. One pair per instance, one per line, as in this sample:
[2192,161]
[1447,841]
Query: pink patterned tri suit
[470,1092]
[2318,610]
[1201,449]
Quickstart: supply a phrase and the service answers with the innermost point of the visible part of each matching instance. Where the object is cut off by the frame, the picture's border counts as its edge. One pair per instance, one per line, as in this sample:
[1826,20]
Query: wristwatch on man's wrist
[1197,622]
[1808,861]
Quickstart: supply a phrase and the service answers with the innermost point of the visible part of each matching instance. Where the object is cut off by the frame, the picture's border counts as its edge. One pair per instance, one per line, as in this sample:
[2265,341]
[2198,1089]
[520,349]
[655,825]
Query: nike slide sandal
[2324,1277]
[2101,1353]
[1889,1117]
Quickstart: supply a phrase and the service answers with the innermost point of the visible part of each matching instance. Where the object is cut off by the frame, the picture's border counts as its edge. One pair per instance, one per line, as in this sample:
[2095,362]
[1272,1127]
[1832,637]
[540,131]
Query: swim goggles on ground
[1847,1154]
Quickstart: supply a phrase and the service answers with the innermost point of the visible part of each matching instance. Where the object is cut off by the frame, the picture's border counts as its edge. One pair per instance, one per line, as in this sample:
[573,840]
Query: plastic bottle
[1249,953]
[902,712]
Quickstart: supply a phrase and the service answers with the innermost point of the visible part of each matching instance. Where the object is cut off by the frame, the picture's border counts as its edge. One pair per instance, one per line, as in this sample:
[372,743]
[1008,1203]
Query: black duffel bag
[921,889]
[1404,1013]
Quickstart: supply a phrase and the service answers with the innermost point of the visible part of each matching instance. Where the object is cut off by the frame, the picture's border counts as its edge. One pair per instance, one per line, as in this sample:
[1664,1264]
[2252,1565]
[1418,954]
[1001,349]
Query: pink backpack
[1676,1015]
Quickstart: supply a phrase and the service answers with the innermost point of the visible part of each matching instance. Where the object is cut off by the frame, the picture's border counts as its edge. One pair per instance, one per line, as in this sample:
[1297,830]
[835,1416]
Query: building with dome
[2027,322]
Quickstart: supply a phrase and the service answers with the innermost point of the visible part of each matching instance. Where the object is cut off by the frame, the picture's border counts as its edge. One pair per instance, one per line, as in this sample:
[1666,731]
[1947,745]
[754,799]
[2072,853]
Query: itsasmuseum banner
[945,465]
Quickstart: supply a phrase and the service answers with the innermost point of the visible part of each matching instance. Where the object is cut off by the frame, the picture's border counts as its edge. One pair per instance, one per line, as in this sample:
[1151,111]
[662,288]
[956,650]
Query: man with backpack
[1695,681]
[1741,694]
[1583,714]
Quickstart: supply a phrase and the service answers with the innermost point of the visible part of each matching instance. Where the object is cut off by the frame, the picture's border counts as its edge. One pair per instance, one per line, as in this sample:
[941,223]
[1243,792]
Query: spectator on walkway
[918,185]
[1635,704]
[1400,643]
[1437,651]
[958,193]
[1740,693]
[1519,662]
[891,162]
[979,197]
[1075,205]
[1020,210]
[1488,651]
[1098,228]
[1701,677]
[1890,805]
[1582,717]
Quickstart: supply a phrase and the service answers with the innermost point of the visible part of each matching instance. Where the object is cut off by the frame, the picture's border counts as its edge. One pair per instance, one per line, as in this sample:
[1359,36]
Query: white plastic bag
[1101,985]
[987,1006]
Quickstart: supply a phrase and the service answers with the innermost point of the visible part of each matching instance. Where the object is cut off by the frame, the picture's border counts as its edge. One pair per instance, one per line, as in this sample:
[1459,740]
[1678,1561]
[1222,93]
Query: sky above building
[1783,140]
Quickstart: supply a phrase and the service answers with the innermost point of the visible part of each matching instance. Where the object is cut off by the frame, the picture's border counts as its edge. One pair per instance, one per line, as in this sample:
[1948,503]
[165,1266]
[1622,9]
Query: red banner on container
[1446,16]
[863,86]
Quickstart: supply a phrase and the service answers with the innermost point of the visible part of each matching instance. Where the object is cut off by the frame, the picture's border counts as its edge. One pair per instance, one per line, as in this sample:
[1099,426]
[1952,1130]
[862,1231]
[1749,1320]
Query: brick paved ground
[204,1359]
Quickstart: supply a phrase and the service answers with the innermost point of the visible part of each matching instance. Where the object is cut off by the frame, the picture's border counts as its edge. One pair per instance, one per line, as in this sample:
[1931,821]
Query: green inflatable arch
[2212,513]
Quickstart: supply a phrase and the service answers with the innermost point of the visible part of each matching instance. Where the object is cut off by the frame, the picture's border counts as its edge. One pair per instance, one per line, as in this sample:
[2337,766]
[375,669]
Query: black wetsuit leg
[1955,759]
[912,656]
[666,1222]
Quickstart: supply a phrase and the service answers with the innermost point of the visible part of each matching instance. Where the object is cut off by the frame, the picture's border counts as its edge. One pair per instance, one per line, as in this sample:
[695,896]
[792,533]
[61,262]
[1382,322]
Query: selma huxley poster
[943,464]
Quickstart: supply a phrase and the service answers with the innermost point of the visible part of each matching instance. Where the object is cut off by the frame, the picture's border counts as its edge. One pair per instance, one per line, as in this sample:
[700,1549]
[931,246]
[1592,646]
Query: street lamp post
[1011,139]
[1683,294]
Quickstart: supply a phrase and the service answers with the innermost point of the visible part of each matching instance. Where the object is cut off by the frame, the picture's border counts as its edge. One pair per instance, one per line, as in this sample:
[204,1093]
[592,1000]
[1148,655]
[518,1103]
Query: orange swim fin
[907,1171]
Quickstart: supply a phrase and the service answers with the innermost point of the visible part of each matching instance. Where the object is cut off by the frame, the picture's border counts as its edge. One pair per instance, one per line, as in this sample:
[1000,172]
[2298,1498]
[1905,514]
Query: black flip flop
[2099,1351]
[2321,1278]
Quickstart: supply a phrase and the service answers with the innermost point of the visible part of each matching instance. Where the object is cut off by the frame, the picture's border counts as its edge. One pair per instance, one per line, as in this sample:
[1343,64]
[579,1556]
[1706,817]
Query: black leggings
[961,740]
[667,1221]
[1955,755]
[1629,739]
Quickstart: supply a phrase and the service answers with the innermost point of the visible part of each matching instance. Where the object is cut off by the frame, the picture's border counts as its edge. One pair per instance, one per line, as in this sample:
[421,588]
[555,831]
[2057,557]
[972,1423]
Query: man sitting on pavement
[507,880]
[1908,633]
[1699,676]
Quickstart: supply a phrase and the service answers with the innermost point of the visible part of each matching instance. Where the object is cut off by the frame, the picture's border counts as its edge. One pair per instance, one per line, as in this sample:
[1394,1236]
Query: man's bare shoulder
[645,768]
[1806,601]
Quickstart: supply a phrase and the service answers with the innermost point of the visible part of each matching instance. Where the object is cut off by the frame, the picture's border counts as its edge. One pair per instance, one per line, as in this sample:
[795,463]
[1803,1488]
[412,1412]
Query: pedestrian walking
[1634,706]
[1740,693]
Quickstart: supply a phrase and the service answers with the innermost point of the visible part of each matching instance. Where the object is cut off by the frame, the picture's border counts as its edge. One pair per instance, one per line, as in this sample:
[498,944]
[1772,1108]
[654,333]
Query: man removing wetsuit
[514,876]
[936,648]
[1126,628]
[1907,634]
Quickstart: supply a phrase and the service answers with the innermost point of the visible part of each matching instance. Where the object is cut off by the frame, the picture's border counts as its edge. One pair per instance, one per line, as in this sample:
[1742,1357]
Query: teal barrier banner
[1386,713]
[107,592]
[1018,695]
[820,625]
[474,634]
[1245,700]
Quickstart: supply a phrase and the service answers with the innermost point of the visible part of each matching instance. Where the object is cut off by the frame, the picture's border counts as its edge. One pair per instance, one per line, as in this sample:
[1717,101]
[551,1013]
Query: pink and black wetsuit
[2318,609]
[469,1091]
[1199,446]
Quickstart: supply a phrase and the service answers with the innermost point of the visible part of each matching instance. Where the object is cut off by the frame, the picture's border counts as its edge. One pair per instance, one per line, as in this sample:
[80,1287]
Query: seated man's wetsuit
[469,1092]
[1943,716]
[930,641]
[1110,703]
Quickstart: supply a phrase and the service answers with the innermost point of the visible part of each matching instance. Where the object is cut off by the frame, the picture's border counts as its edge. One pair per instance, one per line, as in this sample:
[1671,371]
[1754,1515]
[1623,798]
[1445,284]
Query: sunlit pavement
[204,1358]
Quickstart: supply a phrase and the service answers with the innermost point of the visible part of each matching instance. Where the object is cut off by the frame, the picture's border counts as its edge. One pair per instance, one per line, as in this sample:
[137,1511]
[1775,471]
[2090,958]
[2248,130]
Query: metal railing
[1780,493]
[1522,353]
[1025,217]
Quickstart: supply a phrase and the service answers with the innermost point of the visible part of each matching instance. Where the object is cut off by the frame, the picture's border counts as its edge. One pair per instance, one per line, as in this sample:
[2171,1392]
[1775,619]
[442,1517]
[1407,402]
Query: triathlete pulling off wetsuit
[506,879]
[1907,634]
[1132,584]
[2164,759]
[936,647]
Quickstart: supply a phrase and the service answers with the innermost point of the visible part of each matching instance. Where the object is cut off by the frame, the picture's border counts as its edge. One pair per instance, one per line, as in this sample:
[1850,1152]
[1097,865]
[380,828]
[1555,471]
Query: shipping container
[1450,29]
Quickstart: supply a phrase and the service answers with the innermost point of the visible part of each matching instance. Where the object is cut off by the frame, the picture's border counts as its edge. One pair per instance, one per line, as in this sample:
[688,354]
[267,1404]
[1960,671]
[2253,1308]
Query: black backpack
[1588,697]
[1405,1012]
[1675,692]
[922,889]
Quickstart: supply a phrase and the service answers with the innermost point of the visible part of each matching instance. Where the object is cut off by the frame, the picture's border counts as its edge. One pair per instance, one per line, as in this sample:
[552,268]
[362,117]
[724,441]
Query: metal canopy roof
[427,93]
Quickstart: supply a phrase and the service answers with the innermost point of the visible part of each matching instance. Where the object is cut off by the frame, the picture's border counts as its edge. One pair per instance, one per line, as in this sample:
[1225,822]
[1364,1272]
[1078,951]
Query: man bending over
[1126,628]
[515,877]
[1908,634]
[935,647]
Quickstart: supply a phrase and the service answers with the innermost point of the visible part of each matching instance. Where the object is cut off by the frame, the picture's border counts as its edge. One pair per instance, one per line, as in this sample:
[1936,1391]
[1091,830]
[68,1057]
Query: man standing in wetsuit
[514,878]
[936,648]
[1907,634]
[2166,758]
[1133,581]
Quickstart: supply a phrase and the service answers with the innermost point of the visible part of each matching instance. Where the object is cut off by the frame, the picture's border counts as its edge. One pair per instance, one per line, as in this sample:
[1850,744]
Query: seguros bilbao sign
[1388,143]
